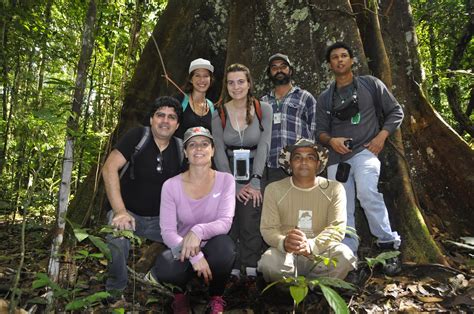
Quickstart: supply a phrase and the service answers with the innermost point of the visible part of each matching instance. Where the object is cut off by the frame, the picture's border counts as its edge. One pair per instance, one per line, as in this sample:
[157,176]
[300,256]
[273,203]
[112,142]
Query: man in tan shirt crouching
[304,215]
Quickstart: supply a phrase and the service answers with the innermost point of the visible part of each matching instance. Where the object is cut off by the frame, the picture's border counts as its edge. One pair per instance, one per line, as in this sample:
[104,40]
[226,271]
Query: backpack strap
[211,105]
[185,102]
[138,147]
[258,113]
[223,116]
[179,147]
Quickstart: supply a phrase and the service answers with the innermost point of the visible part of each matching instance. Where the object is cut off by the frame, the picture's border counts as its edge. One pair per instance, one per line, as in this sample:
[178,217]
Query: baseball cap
[196,131]
[279,56]
[201,63]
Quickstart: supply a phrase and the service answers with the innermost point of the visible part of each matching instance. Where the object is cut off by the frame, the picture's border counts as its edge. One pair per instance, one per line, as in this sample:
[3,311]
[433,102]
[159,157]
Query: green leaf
[98,296]
[76,305]
[83,252]
[298,293]
[41,281]
[334,282]
[335,301]
[271,285]
[152,300]
[387,255]
[80,234]
[101,246]
[37,300]
[118,311]
[381,258]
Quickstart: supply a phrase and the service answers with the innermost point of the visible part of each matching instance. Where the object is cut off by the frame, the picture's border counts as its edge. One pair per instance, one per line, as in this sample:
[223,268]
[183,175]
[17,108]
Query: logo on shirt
[216,195]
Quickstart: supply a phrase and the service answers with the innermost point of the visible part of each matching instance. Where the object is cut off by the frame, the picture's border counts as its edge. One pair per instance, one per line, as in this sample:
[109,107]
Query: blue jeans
[364,178]
[145,227]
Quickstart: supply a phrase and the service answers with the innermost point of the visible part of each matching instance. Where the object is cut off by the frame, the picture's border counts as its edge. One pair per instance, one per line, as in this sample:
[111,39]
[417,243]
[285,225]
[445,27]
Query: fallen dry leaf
[429,299]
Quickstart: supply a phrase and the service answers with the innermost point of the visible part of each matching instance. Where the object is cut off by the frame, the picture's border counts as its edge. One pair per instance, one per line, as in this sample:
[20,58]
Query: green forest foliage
[40,50]
[440,25]
[40,46]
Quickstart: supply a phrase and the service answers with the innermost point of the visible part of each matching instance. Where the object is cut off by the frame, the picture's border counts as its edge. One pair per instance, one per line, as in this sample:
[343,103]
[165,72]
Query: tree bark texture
[439,164]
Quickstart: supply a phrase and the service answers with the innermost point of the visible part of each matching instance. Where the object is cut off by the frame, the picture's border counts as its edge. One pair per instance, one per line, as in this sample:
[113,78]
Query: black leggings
[220,255]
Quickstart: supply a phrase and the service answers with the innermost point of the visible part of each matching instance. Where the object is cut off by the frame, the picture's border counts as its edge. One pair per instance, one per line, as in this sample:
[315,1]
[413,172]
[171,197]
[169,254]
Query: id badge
[277,117]
[241,164]
[305,222]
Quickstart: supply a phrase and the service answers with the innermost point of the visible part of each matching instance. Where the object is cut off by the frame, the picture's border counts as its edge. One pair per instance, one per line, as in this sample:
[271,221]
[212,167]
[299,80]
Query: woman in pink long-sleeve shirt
[197,208]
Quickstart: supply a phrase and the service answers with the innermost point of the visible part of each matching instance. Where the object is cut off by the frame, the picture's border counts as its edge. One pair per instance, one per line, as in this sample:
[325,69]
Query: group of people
[235,188]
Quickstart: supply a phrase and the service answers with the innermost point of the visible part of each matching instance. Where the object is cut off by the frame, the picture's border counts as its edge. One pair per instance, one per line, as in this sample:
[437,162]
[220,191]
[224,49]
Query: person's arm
[337,217]
[168,216]
[225,207]
[392,112]
[263,146]
[336,143]
[110,173]
[270,224]
[220,156]
[311,109]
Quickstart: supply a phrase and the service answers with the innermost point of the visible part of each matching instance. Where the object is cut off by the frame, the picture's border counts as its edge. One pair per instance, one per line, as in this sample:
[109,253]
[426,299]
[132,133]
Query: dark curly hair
[166,101]
[337,45]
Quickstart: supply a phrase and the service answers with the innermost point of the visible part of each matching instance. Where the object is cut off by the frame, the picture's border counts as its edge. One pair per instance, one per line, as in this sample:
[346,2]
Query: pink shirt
[207,217]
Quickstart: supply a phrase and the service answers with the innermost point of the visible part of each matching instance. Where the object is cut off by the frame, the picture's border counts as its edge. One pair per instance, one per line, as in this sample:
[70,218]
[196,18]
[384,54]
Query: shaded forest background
[63,105]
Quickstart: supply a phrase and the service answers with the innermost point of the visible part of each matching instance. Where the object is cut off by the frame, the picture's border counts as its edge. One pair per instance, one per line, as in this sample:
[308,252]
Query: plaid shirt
[298,120]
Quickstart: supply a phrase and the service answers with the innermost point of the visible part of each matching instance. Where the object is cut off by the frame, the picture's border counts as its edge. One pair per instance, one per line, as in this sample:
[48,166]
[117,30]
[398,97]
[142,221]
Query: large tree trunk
[227,31]
[405,207]
[440,161]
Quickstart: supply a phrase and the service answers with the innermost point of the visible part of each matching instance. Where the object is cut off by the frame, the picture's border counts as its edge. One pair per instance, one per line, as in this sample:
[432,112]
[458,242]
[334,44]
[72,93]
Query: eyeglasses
[159,166]
[195,145]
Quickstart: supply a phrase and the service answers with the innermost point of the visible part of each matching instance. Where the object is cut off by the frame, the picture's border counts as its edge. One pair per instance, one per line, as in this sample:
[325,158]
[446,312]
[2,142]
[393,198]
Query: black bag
[347,112]
[343,170]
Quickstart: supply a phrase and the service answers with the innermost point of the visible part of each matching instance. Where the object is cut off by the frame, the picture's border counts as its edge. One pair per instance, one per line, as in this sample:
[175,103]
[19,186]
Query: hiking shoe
[180,304]
[216,305]
[392,267]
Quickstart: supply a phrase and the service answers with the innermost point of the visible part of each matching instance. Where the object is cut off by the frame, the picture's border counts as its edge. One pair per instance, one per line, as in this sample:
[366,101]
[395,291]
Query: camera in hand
[348,143]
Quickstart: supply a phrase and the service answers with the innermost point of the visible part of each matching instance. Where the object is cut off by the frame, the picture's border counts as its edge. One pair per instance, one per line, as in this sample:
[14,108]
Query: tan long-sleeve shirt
[281,209]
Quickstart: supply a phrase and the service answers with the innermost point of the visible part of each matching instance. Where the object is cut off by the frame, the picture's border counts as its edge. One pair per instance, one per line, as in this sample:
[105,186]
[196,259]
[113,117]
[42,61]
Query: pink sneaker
[180,304]
[216,305]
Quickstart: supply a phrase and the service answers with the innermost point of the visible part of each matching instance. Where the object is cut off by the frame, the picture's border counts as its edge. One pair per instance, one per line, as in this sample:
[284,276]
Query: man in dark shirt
[135,198]
[348,123]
